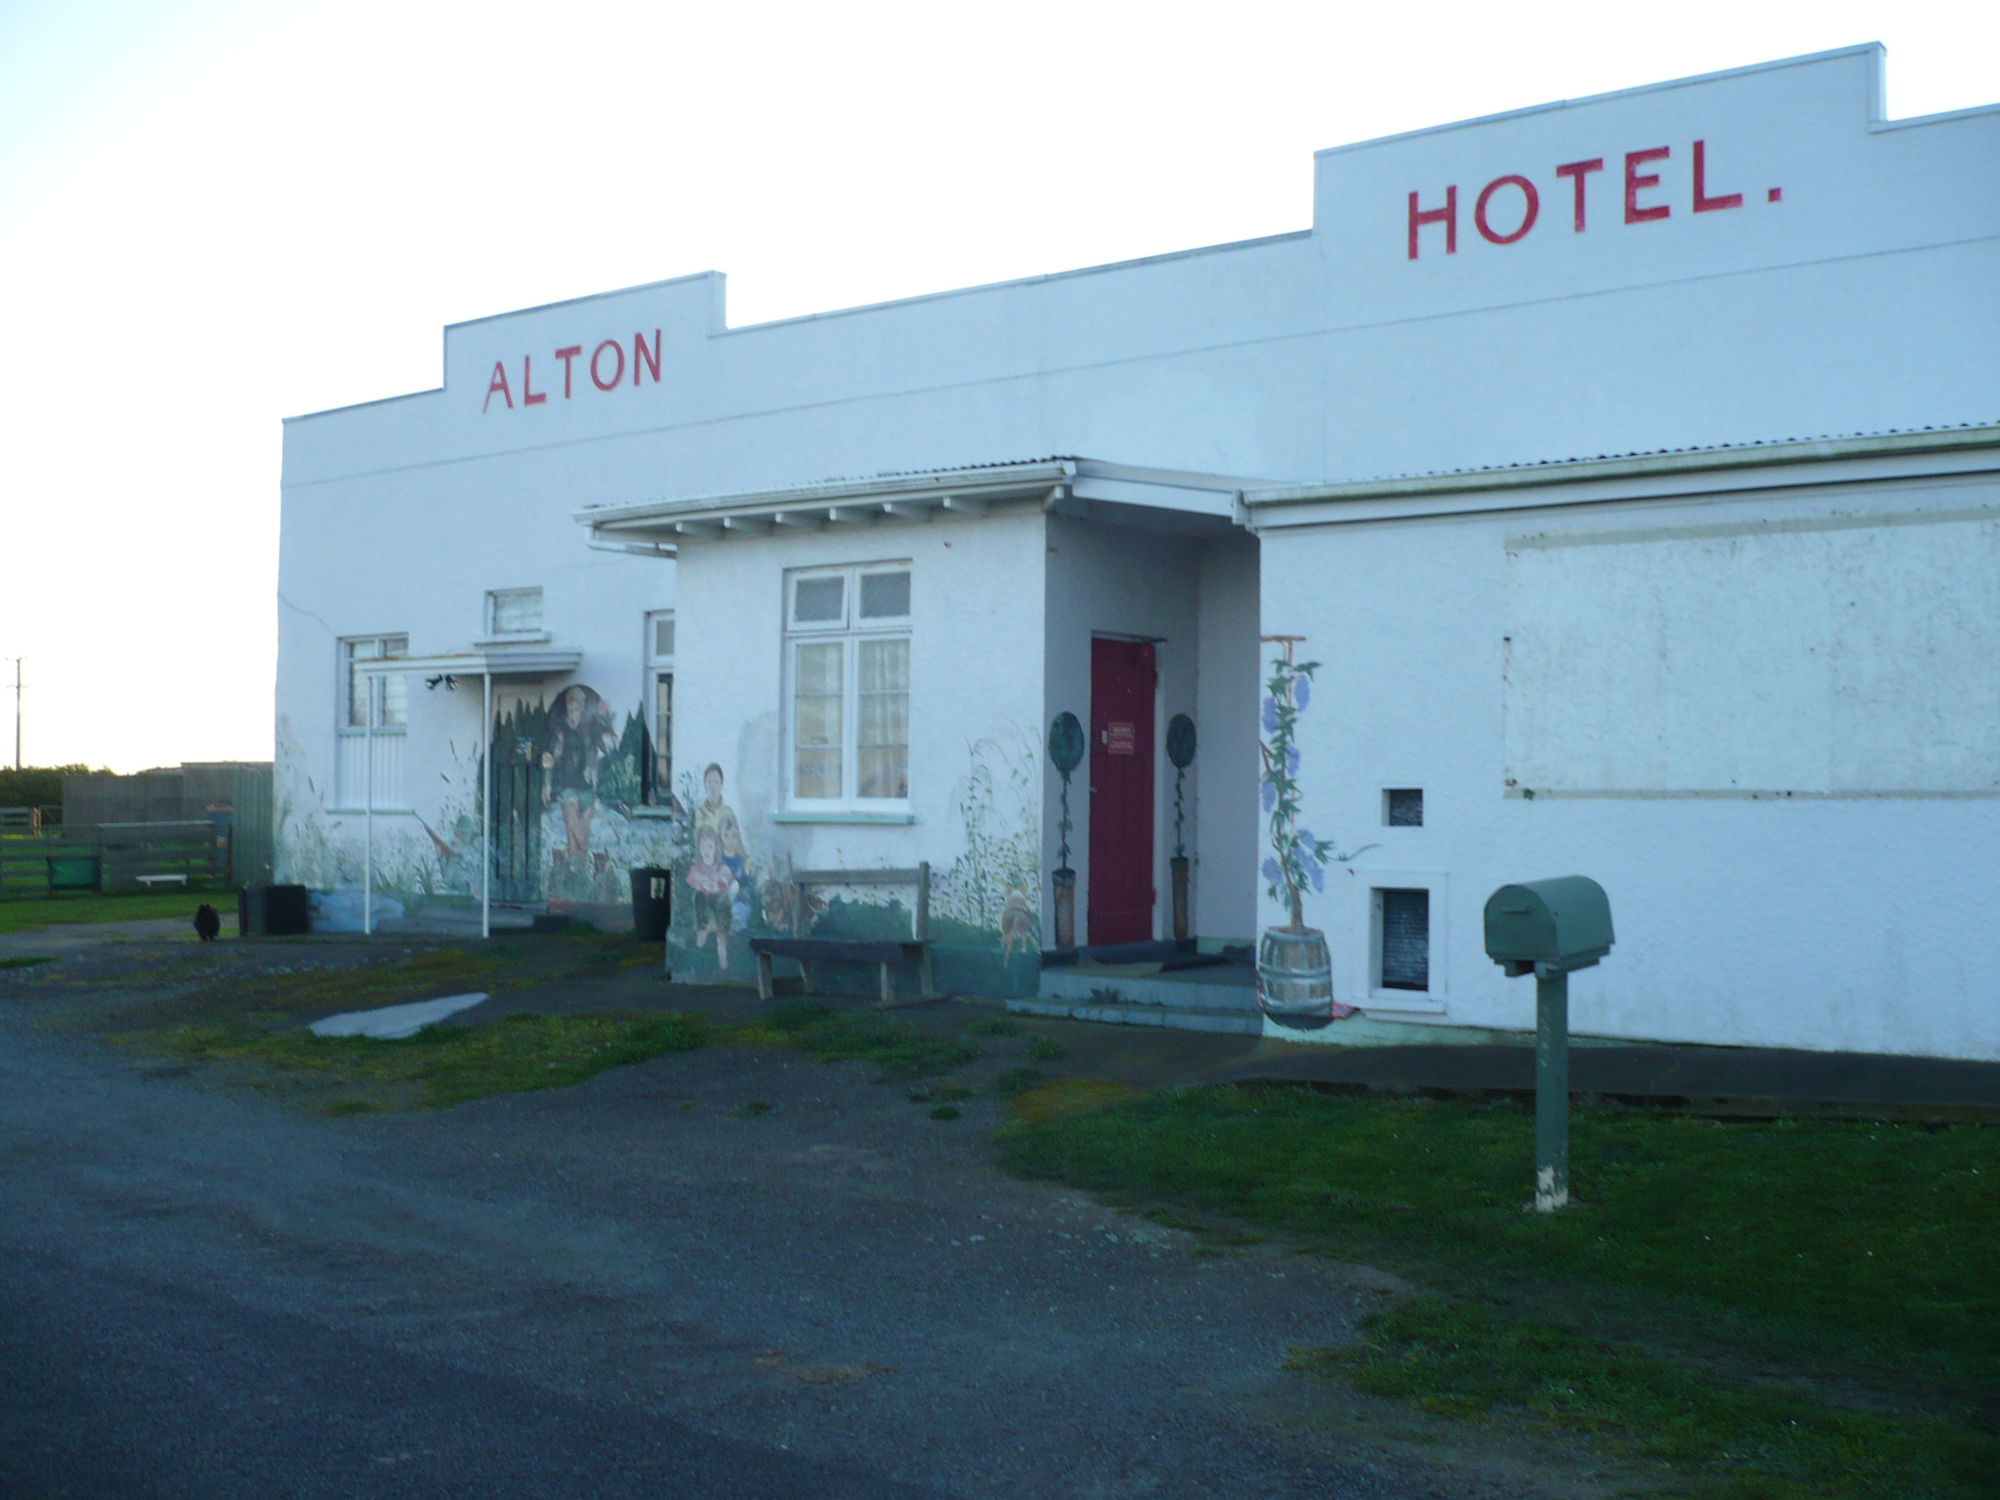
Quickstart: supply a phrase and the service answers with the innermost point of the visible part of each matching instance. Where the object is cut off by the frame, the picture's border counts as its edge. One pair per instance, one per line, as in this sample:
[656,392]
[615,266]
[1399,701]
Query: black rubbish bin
[652,903]
[272,910]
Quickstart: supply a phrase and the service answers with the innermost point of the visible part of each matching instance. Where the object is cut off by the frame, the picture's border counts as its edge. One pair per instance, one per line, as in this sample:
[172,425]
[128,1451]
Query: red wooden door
[1120,902]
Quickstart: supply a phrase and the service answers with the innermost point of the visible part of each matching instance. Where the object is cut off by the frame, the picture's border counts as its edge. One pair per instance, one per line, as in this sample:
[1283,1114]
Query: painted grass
[1775,1310]
[899,1050]
[28,913]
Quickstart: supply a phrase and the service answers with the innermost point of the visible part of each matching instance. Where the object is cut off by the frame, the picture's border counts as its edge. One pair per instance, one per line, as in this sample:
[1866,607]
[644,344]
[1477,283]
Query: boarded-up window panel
[1841,656]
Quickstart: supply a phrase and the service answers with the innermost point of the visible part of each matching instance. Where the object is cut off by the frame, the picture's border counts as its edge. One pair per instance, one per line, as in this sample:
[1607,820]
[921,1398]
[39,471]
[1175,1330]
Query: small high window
[513,612]
[1403,807]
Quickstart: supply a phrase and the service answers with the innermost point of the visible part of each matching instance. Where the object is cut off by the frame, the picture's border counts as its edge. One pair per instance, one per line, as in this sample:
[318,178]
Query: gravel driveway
[637,1286]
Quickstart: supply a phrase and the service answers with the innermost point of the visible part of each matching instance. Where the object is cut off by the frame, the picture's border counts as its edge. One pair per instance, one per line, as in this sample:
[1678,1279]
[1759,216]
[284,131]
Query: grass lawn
[1771,1311]
[27,913]
[254,1025]
[445,1065]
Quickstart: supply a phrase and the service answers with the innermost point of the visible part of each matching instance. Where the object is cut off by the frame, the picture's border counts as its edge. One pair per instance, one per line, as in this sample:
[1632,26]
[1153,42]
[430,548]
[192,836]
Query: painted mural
[419,859]
[1294,965]
[984,926]
[567,777]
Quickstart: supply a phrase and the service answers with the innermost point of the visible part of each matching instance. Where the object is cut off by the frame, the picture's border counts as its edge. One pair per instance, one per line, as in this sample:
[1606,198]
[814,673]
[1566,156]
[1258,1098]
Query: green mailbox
[1548,926]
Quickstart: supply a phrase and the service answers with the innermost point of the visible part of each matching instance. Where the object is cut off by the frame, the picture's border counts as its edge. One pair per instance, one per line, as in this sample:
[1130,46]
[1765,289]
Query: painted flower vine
[1298,857]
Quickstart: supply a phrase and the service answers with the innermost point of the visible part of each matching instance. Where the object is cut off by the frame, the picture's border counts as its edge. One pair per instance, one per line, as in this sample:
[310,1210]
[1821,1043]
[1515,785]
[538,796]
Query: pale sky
[218,213]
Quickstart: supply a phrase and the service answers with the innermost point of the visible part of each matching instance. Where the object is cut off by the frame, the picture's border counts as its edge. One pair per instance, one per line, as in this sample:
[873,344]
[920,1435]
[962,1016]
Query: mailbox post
[1549,928]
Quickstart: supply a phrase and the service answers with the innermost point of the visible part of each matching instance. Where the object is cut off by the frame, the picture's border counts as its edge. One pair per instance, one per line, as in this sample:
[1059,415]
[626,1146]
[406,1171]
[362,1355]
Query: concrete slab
[394,1022]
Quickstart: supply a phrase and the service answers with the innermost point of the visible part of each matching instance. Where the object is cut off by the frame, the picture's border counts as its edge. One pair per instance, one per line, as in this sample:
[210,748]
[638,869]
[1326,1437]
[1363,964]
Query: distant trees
[35,786]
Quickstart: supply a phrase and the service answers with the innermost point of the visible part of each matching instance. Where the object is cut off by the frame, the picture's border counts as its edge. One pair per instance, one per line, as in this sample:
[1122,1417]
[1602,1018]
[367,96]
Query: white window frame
[490,620]
[394,692]
[658,665]
[1435,999]
[852,630]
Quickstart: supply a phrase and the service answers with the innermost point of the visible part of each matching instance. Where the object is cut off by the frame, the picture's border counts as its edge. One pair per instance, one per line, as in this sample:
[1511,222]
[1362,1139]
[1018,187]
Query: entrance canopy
[1171,499]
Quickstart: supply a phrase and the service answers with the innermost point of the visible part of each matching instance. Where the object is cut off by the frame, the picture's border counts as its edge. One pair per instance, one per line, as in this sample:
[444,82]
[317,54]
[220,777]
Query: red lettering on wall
[497,383]
[1531,208]
[1448,216]
[1579,170]
[529,395]
[1774,195]
[1703,203]
[566,355]
[642,356]
[1635,180]
[597,357]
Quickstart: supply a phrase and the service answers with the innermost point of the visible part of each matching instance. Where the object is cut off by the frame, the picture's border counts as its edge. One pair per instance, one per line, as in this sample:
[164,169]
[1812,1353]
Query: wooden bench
[884,952]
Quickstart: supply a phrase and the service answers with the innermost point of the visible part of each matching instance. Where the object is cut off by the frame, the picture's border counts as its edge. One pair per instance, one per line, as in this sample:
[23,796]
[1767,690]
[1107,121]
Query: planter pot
[1295,979]
[1177,868]
[1065,892]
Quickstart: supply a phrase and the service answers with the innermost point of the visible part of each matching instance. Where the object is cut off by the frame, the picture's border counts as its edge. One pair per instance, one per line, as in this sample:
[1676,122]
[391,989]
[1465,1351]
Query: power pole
[17,711]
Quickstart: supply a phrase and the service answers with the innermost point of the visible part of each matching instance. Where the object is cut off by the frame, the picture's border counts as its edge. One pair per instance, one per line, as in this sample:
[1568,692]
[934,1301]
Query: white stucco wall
[1860,300]
[976,600]
[1858,297]
[1787,910]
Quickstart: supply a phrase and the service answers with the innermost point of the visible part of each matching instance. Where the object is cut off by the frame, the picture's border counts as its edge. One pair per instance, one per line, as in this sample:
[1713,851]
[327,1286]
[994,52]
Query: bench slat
[857,950]
[855,877]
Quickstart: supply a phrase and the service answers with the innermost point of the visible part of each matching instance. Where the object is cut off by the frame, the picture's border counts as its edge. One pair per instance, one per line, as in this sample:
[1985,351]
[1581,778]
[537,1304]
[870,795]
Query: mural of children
[729,840]
[578,737]
[715,892]
[711,811]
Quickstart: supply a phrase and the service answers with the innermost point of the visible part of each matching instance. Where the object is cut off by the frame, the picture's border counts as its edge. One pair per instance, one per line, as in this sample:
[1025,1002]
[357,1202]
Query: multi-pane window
[660,692]
[513,612]
[391,691]
[848,666]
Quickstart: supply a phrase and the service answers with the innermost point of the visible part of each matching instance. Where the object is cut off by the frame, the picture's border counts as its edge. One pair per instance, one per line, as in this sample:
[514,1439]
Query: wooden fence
[112,857]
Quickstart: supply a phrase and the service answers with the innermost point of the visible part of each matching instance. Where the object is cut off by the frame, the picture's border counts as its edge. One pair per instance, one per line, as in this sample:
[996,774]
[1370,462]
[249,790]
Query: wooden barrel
[1295,978]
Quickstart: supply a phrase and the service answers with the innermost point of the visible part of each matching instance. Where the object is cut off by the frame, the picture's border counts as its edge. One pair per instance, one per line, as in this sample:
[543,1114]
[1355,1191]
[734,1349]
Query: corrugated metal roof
[1626,455]
[1654,462]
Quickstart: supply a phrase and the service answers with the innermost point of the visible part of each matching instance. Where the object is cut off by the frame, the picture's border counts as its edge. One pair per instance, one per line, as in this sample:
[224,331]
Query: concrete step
[1182,1018]
[1221,998]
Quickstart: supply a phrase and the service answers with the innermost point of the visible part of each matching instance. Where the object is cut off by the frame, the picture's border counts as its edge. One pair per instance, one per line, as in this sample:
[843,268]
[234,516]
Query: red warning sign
[1120,737]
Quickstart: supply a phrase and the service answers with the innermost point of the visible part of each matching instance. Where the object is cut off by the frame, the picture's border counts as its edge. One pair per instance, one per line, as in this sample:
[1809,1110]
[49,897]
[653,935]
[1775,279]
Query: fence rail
[112,857]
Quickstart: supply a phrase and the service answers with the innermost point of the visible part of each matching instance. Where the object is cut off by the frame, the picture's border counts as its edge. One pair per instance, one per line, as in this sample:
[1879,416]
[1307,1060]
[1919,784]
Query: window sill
[884,819]
[524,638]
[1412,1002]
